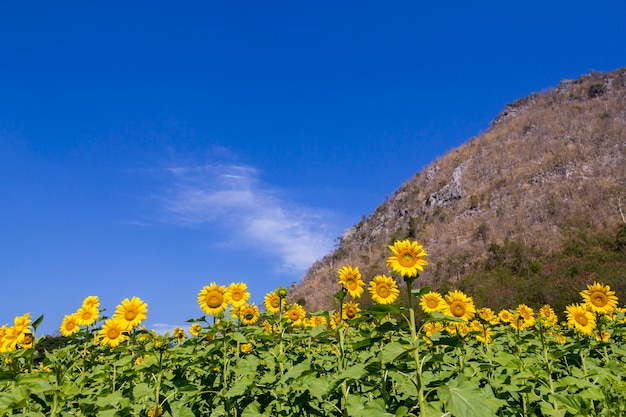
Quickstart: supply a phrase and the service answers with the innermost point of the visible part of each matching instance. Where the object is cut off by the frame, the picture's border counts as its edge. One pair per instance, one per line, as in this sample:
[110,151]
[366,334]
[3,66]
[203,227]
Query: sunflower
[527,314]
[295,312]
[246,348]
[237,294]
[547,317]
[249,314]
[10,339]
[351,310]
[86,316]
[384,289]
[603,336]
[179,334]
[130,313]
[581,319]
[111,333]
[505,316]
[484,335]
[272,302]
[599,298]
[351,280]
[91,301]
[408,258]
[335,320]
[20,323]
[318,320]
[432,301]
[459,305]
[211,299]
[69,326]
[195,329]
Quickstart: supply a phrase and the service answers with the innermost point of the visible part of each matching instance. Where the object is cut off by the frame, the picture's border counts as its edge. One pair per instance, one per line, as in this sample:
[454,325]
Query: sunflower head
[273,302]
[581,319]
[111,334]
[212,299]
[350,279]
[249,314]
[351,310]
[295,313]
[91,301]
[459,305]
[408,258]
[237,294]
[195,329]
[69,326]
[86,316]
[130,313]
[431,302]
[599,298]
[384,289]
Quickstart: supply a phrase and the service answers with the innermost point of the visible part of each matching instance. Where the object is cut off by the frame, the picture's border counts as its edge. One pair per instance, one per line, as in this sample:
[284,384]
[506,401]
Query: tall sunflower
[272,302]
[130,313]
[249,314]
[237,294]
[581,319]
[69,326]
[351,280]
[111,333]
[408,258]
[211,299]
[384,289]
[86,316]
[432,301]
[459,305]
[600,298]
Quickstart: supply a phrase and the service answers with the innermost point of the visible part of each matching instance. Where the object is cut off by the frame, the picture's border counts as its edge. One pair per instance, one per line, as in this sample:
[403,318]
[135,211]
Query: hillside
[525,212]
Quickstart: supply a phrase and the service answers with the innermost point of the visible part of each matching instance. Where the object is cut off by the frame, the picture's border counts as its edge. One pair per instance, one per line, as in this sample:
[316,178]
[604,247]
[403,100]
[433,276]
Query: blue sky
[149,148]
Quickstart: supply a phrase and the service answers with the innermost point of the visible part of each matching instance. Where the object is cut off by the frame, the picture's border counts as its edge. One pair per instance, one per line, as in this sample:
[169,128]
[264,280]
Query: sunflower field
[429,355]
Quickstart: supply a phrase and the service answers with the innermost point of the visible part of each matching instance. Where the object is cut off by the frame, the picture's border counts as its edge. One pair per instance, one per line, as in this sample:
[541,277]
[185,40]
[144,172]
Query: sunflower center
[582,319]
[598,299]
[351,284]
[275,302]
[214,299]
[351,313]
[293,315]
[432,302]
[236,295]
[383,290]
[130,314]
[457,308]
[407,259]
[248,316]
[113,332]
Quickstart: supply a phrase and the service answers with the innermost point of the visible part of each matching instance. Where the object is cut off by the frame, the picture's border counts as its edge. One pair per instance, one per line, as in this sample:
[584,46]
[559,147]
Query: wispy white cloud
[233,197]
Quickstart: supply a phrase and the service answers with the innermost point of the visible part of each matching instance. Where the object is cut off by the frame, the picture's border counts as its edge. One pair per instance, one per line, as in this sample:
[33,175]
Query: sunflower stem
[418,364]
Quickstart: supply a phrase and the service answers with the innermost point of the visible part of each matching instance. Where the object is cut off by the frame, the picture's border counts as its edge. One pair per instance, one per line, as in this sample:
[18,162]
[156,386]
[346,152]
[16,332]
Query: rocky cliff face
[547,162]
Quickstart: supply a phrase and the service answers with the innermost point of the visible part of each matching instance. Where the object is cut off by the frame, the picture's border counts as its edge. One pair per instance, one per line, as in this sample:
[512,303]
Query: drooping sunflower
[384,289]
[408,258]
[484,335]
[211,299]
[111,333]
[10,339]
[272,302]
[351,280]
[432,301]
[351,310]
[91,301]
[459,305]
[69,325]
[581,319]
[195,329]
[295,312]
[249,314]
[527,314]
[86,316]
[130,313]
[237,294]
[335,320]
[600,298]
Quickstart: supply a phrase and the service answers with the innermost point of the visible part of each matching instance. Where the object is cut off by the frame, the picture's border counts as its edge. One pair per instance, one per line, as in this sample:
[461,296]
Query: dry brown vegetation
[551,165]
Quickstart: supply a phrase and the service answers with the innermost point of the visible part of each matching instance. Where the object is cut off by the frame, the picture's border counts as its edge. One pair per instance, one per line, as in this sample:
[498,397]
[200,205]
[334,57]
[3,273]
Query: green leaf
[238,337]
[391,351]
[37,322]
[464,400]
[436,316]
[252,410]
[142,390]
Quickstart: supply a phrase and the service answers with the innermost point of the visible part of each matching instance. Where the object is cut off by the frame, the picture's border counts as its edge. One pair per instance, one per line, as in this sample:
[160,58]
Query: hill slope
[521,206]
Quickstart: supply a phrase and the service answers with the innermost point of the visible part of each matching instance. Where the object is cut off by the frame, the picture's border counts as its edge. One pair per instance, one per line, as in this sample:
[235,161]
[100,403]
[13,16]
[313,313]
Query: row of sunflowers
[239,360]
